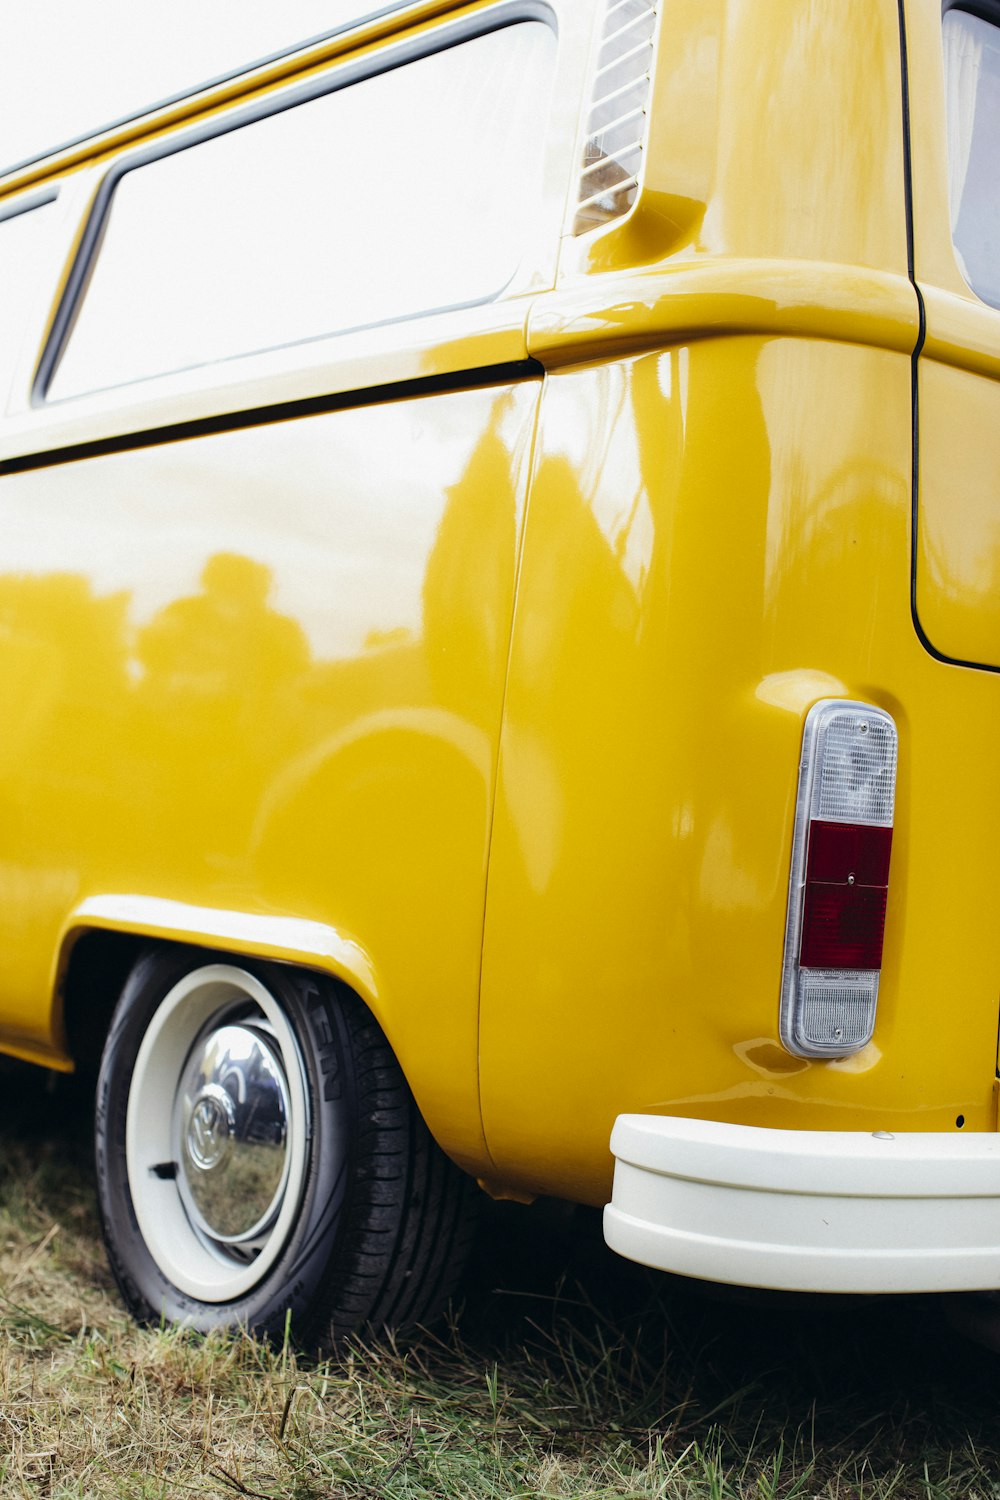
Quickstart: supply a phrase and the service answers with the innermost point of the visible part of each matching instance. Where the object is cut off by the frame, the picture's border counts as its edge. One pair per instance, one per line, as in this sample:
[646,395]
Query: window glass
[405,192]
[23,237]
[972,89]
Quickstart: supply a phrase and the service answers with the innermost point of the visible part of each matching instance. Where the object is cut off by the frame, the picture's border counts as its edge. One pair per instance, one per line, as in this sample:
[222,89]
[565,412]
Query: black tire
[368,1224]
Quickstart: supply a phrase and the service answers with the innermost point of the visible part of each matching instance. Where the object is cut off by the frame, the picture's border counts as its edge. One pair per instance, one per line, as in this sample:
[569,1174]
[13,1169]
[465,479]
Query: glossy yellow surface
[775,132]
[490,701]
[695,576]
[269,681]
[718,535]
[255,679]
[958,553]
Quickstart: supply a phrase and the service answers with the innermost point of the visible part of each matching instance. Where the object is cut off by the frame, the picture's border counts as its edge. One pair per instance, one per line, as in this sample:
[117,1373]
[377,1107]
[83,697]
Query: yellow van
[499,634]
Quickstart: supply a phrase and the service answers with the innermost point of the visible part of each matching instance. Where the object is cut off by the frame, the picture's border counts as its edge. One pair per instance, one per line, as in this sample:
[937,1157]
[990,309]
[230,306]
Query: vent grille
[616,124]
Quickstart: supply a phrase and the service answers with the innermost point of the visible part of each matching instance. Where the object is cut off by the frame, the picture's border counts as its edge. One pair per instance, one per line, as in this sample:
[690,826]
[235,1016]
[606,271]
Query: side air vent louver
[616,124]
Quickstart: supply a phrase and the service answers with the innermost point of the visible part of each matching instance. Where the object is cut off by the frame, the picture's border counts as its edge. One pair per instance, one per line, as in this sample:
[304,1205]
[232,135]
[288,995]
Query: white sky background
[67,67]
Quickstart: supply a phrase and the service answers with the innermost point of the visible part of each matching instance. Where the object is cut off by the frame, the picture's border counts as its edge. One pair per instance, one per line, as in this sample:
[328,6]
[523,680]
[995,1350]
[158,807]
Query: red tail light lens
[843,927]
[846,888]
[848,854]
[839,881]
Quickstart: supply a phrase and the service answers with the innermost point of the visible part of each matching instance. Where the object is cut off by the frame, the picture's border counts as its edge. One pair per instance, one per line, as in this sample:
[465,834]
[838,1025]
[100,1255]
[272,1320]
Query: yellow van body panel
[718,536]
[489,700]
[280,648]
[696,575]
[269,682]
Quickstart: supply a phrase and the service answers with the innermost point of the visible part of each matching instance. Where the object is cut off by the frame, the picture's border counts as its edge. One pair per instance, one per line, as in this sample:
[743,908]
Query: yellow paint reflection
[263,671]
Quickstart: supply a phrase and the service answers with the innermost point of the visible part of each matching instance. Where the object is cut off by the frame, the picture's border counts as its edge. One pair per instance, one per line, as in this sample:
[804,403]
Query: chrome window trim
[24,205]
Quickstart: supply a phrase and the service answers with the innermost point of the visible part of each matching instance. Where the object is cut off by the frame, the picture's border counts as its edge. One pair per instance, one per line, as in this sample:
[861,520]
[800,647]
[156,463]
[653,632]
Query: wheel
[260,1157]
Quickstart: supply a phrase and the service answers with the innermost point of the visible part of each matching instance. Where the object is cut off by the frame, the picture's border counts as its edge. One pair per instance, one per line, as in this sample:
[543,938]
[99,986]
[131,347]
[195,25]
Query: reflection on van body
[497,643]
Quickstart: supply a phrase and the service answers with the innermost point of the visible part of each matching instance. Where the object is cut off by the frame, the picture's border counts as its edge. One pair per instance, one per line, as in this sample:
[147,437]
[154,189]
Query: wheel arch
[106,934]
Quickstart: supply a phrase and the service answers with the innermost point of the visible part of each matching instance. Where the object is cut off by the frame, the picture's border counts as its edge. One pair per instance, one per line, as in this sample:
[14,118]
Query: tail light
[839,879]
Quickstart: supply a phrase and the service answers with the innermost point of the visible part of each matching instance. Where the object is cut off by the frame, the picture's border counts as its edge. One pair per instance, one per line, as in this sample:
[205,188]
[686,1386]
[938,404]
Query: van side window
[408,191]
[24,230]
[972,92]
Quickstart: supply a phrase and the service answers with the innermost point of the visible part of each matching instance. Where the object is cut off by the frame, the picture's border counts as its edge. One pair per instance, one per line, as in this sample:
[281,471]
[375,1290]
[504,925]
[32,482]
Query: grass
[566,1373]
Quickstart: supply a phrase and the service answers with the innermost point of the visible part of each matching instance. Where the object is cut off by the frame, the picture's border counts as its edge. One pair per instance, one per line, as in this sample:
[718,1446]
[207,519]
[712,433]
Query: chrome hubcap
[231,1115]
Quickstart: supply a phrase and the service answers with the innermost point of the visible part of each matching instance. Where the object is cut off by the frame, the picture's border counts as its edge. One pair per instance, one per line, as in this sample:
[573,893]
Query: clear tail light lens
[839,879]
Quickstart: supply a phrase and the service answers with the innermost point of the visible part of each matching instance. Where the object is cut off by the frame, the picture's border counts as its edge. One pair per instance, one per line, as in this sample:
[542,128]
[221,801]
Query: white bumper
[807,1210]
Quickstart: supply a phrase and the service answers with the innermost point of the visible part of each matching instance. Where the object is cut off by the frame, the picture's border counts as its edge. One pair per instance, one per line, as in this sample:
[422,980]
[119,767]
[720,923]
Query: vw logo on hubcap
[209,1133]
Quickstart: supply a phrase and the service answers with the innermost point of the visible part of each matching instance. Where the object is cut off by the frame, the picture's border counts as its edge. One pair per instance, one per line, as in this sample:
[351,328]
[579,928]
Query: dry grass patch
[612,1384]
